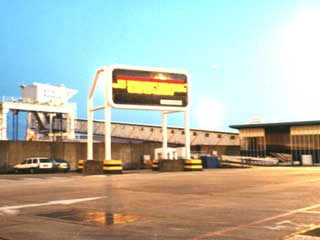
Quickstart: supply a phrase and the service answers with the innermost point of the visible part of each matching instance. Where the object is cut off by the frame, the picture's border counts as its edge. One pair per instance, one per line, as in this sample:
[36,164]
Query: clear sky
[248,59]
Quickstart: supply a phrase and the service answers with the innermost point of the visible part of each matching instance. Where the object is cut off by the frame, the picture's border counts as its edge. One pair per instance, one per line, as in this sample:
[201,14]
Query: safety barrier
[155,165]
[80,165]
[112,166]
[192,165]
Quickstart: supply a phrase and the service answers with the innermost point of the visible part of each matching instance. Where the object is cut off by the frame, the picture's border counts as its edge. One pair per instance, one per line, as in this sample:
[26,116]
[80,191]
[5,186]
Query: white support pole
[28,128]
[187,133]
[3,123]
[107,119]
[50,126]
[90,114]
[71,125]
[107,132]
[71,122]
[90,131]
[164,136]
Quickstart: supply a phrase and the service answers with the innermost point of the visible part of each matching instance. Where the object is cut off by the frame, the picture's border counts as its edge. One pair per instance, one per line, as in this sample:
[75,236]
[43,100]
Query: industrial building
[53,130]
[298,140]
[130,143]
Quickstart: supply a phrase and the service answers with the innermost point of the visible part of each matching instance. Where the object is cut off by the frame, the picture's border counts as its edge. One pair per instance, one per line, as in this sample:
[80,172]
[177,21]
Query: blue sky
[248,59]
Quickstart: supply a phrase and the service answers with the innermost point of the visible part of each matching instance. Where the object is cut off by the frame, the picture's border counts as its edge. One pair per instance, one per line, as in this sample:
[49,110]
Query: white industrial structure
[172,153]
[43,93]
[43,103]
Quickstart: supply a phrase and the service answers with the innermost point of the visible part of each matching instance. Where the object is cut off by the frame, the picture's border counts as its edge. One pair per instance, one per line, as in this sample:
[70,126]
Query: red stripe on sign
[148,79]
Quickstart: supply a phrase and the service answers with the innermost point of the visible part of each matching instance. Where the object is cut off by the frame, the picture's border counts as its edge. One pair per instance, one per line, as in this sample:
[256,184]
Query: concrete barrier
[80,166]
[171,165]
[92,167]
[155,165]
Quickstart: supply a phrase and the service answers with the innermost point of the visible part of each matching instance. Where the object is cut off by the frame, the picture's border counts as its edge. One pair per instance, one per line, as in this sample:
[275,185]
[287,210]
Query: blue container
[210,162]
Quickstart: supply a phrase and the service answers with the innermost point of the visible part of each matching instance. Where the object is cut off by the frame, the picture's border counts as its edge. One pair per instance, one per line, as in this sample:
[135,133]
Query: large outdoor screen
[149,88]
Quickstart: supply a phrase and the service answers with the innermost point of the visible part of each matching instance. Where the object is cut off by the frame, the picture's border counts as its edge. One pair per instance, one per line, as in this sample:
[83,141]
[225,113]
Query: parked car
[33,165]
[61,165]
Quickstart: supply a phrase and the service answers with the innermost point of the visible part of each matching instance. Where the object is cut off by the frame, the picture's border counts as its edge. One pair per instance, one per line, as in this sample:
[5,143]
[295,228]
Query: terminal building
[298,140]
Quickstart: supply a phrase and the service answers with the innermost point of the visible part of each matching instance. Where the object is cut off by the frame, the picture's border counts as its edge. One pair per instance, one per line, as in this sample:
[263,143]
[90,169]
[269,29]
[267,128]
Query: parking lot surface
[239,204]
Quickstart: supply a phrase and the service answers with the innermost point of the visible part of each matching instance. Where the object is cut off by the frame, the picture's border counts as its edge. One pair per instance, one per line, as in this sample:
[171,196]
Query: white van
[33,165]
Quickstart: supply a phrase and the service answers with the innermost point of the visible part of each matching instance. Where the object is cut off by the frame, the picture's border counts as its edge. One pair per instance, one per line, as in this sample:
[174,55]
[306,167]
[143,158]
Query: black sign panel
[149,88]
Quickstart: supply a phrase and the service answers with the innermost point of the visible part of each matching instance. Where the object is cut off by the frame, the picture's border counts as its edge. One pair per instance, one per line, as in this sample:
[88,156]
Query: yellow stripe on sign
[114,168]
[150,88]
[164,89]
[193,161]
[180,88]
[112,162]
[193,167]
[120,84]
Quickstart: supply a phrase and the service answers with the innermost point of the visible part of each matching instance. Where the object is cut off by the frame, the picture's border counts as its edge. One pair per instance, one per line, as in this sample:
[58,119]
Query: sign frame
[109,103]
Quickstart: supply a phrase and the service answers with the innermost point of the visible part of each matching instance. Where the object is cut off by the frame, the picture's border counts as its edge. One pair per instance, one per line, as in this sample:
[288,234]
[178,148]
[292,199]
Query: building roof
[159,126]
[280,124]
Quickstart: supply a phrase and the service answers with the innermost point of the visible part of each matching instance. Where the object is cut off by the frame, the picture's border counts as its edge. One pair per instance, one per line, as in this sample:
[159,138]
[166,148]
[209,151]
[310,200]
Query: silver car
[61,165]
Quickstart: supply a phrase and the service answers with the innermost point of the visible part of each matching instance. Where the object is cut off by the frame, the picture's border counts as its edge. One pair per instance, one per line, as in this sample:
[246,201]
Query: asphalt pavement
[237,204]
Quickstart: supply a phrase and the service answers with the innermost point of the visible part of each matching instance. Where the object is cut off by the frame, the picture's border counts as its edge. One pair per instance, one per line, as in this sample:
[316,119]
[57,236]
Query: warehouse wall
[3,155]
[14,152]
[220,150]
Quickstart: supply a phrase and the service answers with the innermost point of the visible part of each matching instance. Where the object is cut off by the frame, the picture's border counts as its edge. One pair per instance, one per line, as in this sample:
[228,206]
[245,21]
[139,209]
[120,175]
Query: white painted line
[312,212]
[288,224]
[268,219]
[63,202]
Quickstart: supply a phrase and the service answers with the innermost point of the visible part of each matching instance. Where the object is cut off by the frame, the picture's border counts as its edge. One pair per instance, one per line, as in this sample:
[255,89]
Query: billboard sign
[150,88]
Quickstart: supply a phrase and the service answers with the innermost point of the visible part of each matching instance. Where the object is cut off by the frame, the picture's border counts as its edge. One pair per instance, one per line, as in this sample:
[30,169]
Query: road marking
[288,224]
[230,229]
[312,212]
[8,209]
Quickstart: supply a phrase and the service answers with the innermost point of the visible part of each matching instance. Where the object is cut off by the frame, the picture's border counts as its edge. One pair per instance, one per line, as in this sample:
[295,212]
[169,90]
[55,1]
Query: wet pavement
[95,217]
[238,204]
